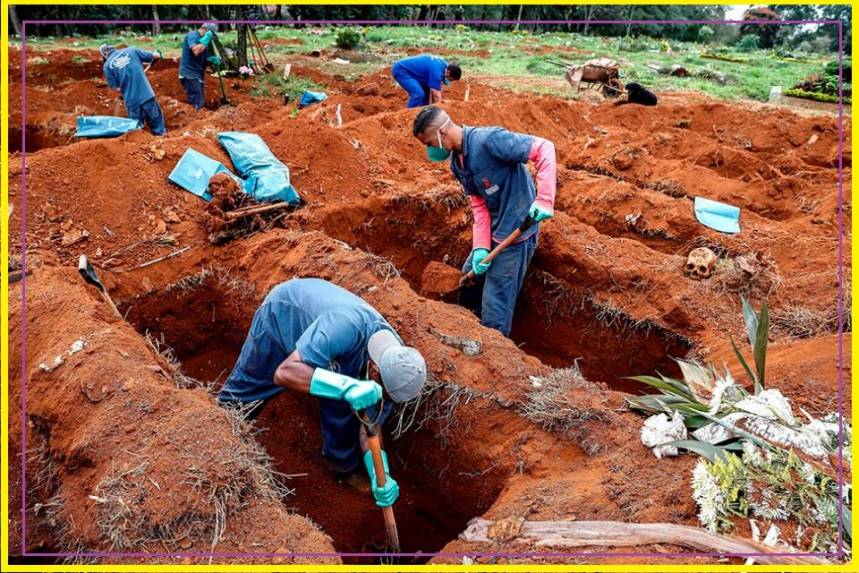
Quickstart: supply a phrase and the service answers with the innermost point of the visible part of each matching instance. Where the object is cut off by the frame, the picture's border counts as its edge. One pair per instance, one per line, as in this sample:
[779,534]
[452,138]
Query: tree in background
[765,33]
[786,37]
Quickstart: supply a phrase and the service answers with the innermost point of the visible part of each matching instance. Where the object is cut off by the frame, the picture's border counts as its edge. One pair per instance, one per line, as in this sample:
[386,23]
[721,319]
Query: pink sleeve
[543,156]
[481,232]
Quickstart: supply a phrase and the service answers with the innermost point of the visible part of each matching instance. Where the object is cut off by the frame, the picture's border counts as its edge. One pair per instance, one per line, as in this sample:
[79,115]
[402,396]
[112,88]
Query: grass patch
[271,85]
[515,56]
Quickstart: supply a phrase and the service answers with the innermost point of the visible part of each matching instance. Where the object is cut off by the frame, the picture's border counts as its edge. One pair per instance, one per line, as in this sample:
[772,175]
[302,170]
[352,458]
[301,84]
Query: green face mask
[438,154]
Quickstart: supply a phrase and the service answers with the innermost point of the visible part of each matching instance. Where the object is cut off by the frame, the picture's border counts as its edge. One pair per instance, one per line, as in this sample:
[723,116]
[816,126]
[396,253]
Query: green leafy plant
[705,34]
[348,39]
[758,460]
[748,43]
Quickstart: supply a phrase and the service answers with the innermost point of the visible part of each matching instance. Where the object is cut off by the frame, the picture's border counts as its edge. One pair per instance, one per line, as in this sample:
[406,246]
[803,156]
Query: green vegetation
[348,39]
[758,459]
[518,61]
[274,85]
[816,96]
[748,43]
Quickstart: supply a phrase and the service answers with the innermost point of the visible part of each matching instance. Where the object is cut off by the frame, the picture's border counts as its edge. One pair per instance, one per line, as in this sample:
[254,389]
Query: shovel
[468,278]
[224,100]
[87,271]
[375,447]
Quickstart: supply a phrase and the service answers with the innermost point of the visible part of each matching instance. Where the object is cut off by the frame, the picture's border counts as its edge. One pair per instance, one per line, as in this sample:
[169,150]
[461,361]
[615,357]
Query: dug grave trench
[204,323]
[556,321]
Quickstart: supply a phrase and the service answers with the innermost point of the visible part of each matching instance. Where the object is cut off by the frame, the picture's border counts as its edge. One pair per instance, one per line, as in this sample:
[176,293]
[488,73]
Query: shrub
[816,96]
[748,43]
[705,34]
[831,69]
[348,39]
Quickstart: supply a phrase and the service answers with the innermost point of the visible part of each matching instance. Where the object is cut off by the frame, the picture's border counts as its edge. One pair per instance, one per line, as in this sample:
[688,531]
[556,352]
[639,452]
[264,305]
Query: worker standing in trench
[491,165]
[196,53]
[314,337]
[422,77]
[124,72]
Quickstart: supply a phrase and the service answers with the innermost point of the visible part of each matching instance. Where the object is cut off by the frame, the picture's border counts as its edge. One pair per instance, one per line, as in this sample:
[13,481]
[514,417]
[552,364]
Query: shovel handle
[375,448]
[526,224]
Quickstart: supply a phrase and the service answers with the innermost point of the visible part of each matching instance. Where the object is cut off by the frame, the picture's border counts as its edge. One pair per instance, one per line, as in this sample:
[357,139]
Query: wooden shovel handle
[375,448]
[508,240]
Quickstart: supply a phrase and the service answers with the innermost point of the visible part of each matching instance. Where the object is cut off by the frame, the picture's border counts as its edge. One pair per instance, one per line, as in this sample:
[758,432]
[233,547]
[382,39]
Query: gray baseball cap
[403,369]
[105,50]
[210,27]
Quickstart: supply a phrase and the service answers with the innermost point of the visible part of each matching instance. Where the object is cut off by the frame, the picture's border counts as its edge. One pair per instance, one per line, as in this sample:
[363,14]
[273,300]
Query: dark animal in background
[636,93]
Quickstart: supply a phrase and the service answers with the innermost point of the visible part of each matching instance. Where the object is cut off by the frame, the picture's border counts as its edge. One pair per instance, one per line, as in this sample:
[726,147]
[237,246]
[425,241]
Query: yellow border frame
[4,343]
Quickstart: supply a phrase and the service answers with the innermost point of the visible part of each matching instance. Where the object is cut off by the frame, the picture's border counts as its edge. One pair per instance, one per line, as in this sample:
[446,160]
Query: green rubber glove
[360,394]
[539,213]
[388,493]
[206,38]
[214,60]
[478,255]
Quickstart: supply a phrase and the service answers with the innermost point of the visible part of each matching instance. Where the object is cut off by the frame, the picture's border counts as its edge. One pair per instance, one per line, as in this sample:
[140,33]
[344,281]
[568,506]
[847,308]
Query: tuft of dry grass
[749,275]
[174,365]
[799,321]
[549,406]
[667,187]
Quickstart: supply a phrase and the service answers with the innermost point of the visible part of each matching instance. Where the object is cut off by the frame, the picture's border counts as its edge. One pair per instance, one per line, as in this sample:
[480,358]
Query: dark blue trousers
[195,91]
[493,296]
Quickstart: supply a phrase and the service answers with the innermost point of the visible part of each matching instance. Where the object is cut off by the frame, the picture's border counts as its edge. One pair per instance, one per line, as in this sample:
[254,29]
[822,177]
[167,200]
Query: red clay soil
[606,290]
[118,452]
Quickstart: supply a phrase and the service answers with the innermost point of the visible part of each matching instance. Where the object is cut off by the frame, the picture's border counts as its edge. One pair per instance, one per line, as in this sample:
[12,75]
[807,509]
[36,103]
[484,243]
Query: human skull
[701,263]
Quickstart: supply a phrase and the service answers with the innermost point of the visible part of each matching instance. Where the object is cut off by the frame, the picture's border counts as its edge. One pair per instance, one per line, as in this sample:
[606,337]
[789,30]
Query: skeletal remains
[700,263]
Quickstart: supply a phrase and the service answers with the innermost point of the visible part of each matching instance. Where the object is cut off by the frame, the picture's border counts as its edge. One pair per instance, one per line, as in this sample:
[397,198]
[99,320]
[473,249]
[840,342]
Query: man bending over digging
[312,336]
[491,165]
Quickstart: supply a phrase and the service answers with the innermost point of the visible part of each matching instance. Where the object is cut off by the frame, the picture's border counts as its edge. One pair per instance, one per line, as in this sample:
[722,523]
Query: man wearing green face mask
[491,164]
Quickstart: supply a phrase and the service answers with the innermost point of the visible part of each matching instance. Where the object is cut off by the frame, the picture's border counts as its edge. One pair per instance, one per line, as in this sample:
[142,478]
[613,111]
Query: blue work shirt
[328,325]
[124,70]
[426,69]
[193,67]
[495,167]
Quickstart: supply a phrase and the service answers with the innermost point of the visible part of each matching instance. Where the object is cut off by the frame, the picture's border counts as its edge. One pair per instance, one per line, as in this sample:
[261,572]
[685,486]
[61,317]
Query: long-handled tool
[375,447]
[263,60]
[88,273]
[468,277]
[224,100]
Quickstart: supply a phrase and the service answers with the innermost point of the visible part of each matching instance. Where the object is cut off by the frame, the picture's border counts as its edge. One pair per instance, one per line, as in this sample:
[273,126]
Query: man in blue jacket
[124,72]
[422,77]
[197,51]
[491,164]
[314,337]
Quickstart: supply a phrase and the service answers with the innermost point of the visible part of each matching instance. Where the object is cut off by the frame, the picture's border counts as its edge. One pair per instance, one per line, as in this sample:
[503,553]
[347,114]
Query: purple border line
[840,293]
[839,554]
[442,23]
[23,286]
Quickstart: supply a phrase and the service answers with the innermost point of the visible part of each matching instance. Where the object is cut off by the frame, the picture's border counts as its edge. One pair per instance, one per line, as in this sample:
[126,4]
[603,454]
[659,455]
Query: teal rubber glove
[539,213]
[214,60]
[360,394]
[160,55]
[476,256]
[388,493]
[206,38]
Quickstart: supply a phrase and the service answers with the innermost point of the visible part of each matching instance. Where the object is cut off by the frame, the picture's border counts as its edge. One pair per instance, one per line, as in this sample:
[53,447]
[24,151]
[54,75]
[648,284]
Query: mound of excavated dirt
[506,427]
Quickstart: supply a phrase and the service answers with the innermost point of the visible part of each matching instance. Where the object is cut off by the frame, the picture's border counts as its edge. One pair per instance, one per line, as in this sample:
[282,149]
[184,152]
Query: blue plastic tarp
[266,177]
[719,216]
[309,98]
[194,170]
[105,125]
